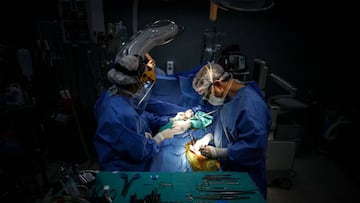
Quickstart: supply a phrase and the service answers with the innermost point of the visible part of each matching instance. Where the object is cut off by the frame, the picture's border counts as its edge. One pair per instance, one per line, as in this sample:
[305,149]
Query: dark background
[310,44]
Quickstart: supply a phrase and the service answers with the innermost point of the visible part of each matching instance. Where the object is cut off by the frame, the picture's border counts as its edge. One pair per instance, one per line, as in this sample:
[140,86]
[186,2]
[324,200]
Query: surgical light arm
[158,33]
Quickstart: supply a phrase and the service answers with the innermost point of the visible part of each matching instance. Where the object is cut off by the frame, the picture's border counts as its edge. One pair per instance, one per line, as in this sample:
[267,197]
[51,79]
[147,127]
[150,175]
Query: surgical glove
[188,114]
[148,135]
[165,134]
[151,63]
[203,141]
[181,126]
[214,152]
[179,116]
[183,115]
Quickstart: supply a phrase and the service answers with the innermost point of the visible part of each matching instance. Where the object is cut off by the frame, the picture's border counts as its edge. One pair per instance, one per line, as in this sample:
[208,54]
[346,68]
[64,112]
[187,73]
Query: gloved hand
[148,135]
[165,134]
[212,152]
[202,142]
[183,115]
[189,113]
[151,63]
[180,126]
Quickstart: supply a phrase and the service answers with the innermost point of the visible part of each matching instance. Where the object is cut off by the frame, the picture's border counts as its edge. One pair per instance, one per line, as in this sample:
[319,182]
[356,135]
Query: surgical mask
[218,101]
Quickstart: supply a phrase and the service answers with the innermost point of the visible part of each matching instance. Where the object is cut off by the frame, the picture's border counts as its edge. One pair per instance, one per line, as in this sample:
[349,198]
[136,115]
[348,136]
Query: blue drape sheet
[172,94]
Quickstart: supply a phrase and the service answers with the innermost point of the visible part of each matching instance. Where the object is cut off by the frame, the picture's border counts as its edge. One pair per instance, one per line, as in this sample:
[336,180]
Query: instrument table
[177,186]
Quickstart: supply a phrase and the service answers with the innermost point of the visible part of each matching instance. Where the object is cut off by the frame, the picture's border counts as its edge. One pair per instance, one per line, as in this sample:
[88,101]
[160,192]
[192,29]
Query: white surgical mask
[218,101]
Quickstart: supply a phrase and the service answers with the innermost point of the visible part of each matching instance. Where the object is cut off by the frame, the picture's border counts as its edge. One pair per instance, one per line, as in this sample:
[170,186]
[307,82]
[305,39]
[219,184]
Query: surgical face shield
[141,97]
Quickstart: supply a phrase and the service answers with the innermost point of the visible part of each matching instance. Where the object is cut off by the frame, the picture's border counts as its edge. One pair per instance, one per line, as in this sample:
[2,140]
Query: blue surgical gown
[242,126]
[120,140]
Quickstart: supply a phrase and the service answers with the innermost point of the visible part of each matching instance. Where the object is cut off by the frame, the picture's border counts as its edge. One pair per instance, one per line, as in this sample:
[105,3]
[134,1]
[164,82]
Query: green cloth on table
[201,120]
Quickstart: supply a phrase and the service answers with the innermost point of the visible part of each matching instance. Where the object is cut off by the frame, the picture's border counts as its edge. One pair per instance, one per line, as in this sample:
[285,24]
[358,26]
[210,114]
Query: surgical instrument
[220,175]
[192,139]
[191,197]
[203,187]
[210,112]
[127,183]
[218,178]
[107,195]
[224,182]
[104,192]
[204,114]
[230,192]
[153,197]
[163,185]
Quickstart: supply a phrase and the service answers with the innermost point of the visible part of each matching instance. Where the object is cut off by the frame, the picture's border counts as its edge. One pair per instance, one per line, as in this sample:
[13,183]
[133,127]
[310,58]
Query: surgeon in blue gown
[125,139]
[238,136]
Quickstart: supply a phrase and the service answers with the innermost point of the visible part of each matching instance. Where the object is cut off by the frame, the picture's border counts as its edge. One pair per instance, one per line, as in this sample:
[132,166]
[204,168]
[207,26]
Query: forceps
[127,183]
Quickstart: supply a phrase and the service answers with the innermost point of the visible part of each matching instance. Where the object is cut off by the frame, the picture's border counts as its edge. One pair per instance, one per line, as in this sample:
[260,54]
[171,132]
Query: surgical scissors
[162,185]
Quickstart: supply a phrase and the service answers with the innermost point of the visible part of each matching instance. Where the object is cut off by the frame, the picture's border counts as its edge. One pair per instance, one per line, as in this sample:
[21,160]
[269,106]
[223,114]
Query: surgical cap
[130,62]
[124,75]
[206,76]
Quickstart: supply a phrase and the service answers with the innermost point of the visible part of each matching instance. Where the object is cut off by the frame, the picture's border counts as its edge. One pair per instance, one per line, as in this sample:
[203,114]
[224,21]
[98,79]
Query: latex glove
[151,64]
[212,152]
[189,113]
[163,135]
[148,135]
[183,115]
[202,142]
[181,126]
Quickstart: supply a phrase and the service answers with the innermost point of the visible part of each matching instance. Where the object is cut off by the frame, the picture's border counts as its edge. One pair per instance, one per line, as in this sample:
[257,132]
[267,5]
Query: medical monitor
[237,62]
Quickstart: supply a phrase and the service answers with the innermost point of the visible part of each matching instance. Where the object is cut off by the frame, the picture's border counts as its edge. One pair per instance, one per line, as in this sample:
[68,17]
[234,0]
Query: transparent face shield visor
[142,96]
[146,82]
